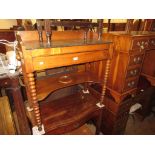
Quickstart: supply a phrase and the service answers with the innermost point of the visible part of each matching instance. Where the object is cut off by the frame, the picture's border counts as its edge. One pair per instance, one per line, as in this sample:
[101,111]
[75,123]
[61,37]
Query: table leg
[19,108]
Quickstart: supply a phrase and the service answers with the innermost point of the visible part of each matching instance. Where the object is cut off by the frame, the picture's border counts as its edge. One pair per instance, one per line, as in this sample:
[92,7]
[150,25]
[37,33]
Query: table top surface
[30,45]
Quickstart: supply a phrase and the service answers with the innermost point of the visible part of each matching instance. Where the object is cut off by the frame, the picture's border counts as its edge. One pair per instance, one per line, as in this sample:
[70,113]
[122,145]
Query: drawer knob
[6,83]
[146,43]
[139,59]
[129,84]
[135,59]
[41,62]
[133,83]
[135,71]
[152,42]
[75,58]
[131,72]
[138,43]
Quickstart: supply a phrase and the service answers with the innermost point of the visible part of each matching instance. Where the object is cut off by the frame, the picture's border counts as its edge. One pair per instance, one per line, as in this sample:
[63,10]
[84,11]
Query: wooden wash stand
[92,59]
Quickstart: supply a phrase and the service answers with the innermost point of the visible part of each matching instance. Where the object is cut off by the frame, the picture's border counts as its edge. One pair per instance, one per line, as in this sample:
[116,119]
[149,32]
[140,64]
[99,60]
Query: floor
[134,126]
[138,127]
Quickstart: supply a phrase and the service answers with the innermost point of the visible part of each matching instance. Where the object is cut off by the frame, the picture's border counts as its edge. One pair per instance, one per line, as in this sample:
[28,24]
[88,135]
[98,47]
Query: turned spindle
[100,28]
[40,30]
[105,81]
[33,94]
[85,34]
[129,25]
[48,31]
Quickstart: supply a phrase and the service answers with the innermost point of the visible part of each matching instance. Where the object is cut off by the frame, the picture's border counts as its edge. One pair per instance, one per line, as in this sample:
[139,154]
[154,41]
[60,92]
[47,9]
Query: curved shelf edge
[47,85]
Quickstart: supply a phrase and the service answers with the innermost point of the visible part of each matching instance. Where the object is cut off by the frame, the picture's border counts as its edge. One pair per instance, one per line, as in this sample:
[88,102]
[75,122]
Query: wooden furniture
[7,126]
[131,25]
[126,66]
[7,35]
[148,70]
[13,85]
[68,48]
[147,82]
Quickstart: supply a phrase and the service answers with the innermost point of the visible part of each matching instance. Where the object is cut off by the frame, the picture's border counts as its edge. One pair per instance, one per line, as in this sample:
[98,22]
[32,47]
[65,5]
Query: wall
[7,23]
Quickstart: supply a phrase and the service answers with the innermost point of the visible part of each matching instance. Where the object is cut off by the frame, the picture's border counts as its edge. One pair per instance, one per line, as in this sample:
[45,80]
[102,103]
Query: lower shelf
[83,130]
[68,113]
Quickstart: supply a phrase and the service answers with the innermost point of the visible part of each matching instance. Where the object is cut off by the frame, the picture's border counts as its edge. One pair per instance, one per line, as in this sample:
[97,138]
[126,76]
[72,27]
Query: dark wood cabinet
[7,35]
[133,56]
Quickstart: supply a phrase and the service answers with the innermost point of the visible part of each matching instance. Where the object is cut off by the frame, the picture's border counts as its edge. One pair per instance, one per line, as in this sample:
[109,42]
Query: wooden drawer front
[130,84]
[149,63]
[124,108]
[41,63]
[152,43]
[139,44]
[133,72]
[135,59]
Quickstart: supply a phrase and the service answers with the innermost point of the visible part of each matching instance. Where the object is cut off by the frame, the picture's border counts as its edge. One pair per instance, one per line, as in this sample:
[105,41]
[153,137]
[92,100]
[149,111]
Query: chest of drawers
[148,69]
[131,52]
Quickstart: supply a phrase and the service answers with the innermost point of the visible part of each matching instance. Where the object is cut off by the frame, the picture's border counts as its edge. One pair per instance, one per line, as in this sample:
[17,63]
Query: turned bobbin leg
[100,104]
[98,123]
[105,82]
[34,101]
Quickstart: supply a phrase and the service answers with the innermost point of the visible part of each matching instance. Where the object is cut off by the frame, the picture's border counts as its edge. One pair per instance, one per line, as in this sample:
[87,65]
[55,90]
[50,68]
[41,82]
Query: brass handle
[135,59]
[131,84]
[138,43]
[152,42]
[146,43]
[133,72]
[138,59]
[142,47]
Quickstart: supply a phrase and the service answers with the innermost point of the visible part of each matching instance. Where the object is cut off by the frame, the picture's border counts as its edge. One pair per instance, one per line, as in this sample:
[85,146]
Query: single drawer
[136,59]
[130,84]
[139,44]
[40,63]
[152,43]
[133,72]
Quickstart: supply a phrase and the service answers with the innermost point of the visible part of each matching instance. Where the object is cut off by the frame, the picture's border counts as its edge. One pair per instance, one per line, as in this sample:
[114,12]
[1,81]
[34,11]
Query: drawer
[124,108]
[130,84]
[152,43]
[40,63]
[133,72]
[136,59]
[139,44]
